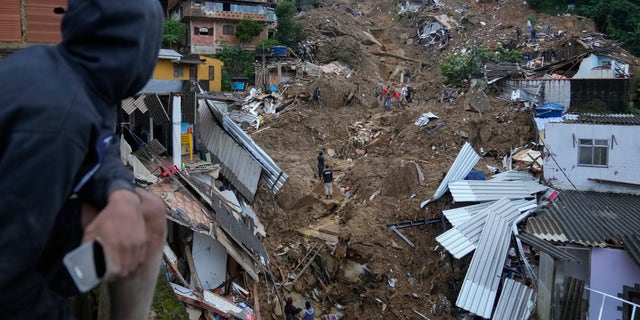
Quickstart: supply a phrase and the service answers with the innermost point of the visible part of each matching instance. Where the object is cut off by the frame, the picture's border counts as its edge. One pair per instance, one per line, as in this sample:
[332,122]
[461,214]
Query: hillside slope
[376,152]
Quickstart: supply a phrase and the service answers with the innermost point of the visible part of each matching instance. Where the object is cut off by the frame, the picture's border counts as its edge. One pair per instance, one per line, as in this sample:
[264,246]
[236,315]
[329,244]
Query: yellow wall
[164,70]
[203,72]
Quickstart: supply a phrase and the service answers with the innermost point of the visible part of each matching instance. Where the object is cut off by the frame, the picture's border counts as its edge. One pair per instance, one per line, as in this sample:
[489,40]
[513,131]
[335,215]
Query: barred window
[227,29]
[178,71]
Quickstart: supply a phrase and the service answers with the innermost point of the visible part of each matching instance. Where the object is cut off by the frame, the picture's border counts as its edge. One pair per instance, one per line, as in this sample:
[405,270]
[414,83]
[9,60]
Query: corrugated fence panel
[10,25]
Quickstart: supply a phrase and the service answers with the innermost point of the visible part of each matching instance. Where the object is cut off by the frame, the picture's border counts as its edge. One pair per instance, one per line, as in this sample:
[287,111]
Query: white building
[594,153]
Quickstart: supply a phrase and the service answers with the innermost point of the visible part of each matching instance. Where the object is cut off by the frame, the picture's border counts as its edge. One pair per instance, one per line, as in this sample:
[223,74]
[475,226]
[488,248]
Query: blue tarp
[475,175]
[549,110]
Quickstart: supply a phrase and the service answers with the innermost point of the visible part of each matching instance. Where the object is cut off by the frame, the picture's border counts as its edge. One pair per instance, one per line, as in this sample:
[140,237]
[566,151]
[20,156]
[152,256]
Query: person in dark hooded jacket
[62,181]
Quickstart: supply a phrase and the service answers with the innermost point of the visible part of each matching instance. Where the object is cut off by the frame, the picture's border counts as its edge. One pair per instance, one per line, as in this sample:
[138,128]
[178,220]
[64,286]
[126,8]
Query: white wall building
[595,153]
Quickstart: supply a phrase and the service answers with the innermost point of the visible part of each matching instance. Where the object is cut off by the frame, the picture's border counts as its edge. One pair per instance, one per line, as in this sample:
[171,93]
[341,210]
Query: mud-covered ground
[376,152]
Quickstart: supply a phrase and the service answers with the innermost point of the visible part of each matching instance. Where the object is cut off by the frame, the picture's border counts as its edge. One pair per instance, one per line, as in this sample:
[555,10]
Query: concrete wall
[611,269]
[561,166]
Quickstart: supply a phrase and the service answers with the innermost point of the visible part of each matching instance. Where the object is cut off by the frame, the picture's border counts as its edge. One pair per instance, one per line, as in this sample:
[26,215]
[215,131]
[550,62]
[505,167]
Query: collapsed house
[595,78]
[551,250]
[214,250]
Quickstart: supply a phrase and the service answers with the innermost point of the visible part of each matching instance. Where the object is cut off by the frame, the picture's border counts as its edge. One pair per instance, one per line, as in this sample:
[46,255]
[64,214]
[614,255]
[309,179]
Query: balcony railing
[230,11]
[605,296]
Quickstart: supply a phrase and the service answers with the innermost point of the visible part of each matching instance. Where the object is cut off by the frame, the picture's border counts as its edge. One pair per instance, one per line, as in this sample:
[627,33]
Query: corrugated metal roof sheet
[618,119]
[547,247]
[513,175]
[458,216]
[128,105]
[487,190]
[238,166]
[163,86]
[272,175]
[461,240]
[188,107]
[169,54]
[140,104]
[480,286]
[462,165]
[158,112]
[632,247]
[587,218]
[241,230]
[516,301]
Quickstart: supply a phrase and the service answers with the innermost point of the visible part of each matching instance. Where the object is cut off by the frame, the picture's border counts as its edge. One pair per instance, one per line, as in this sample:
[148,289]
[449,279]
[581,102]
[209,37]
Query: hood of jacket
[113,44]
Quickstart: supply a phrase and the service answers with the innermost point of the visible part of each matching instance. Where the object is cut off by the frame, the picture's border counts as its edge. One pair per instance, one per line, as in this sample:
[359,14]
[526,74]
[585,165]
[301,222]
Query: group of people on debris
[392,97]
[291,312]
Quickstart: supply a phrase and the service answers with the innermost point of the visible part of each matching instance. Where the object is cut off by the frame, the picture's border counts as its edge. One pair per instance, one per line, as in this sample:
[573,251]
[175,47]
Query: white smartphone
[86,265]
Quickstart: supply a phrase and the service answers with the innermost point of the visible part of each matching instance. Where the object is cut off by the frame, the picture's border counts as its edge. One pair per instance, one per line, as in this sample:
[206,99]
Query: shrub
[456,68]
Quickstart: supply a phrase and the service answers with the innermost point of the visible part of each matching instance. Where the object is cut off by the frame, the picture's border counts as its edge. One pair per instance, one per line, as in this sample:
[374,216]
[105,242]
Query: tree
[456,68]
[173,32]
[237,62]
[247,29]
[619,19]
[289,32]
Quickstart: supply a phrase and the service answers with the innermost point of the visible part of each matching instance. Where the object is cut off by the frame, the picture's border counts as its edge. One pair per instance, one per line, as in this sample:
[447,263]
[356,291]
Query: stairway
[304,263]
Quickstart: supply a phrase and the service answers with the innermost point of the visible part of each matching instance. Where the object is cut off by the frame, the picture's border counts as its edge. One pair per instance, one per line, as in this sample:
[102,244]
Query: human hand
[120,228]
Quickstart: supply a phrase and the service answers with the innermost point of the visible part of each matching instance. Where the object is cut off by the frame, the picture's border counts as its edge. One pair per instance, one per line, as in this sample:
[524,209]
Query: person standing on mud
[327,179]
[320,165]
[316,96]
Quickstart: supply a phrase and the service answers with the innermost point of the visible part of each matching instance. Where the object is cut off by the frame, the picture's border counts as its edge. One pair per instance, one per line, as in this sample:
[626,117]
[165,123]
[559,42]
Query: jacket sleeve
[110,176]
[38,172]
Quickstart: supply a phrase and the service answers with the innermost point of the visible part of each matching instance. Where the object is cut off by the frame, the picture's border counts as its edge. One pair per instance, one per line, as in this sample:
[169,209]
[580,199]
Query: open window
[593,152]
[202,31]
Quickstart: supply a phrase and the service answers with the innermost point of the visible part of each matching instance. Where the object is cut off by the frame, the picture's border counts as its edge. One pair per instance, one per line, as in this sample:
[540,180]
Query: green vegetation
[619,19]
[290,32]
[344,55]
[174,32]
[237,63]
[459,67]
[247,29]
[307,4]
[456,68]
[549,6]
[267,43]
[499,54]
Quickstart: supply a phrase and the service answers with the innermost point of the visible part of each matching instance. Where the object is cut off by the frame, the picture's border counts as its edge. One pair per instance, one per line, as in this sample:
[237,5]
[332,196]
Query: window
[227,29]
[211,73]
[593,152]
[202,31]
[178,72]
